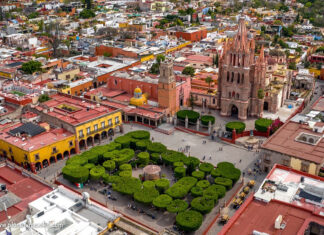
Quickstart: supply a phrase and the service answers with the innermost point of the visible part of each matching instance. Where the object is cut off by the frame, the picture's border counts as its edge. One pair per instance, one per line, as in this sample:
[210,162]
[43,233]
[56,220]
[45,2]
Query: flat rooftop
[280,194]
[284,141]
[24,188]
[319,104]
[73,110]
[40,140]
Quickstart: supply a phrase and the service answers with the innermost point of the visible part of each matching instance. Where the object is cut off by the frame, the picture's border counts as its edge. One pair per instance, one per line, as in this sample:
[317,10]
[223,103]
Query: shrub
[210,194]
[132,143]
[156,148]
[124,156]
[180,172]
[225,165]
[177,206]
[125,174]
[201,204]
[146,195]
[75,173]
[142,144]
[125,167]
[191,163]
[189,220]
[162,185]
[262,124]
[155,157]
[109,165]
[124,141]
[110,178]
[215,173]
[170,156]
[97,172]
[89,165]
[206,119]
[198,174]
[181,188]
[127,185]
[238,126]
[227,170]
[148,184]
[224,181]
[178,164]
[162,201]
[77,160]
[203,184]
[192,115]
[220,190]
[196,191]
[110,155]
[143,158]
[141,135]
[113,146]
[206,167]
[91,155]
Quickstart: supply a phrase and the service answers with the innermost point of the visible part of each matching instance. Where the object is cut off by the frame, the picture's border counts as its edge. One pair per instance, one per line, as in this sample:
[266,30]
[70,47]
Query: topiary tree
[262,124]
[201,204]
[149,184]
[198,174]
[210,194]
[215,173]
[220,190]
[113,146]
[142,145]
[125,174]
[109,165]
[127,185]
[140,134]
[97,172]
[170,156]
[178,164]
[206,167]
[146,195]
[206,119]
[143,158]
[191,163]
[177,206]
[238,126]
[162,185]
[227,170]
[75,173]
[162,201]
[110,178]
[89,165]
[203,184]
[110,155]
[224,181]
[156,148]
[124,141]
[125,167]
[181,188]
[196,191]
[189,220]
[77,160]
[155,157]
[192,115]
[124,156]
[180,172]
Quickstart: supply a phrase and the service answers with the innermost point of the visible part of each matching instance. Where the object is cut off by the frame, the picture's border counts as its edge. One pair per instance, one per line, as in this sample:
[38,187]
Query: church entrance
[234,111]
[265,106]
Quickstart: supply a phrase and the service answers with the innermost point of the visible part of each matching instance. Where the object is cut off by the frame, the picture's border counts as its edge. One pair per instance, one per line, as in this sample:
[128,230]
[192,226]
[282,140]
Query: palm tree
[208,80]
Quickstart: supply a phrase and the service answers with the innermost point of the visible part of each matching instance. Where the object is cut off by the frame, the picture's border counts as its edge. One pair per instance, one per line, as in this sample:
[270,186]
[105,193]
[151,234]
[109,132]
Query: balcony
[97,130]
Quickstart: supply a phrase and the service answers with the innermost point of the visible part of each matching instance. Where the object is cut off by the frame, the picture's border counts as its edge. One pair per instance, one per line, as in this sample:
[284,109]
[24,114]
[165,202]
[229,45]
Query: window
[304,167]
[228,76]
[25,157]
[232,79]
[81,133]
[67,76]
[36,157]
[115,82]
[214,100]
[10,150]
[116,120]
[286,162]
[75,93]
[238,78]
[102,124]
[88,130]
[54,150]
[109,122]
[229,94]
[242,78]
[96,127]
[70,143]
[237,96]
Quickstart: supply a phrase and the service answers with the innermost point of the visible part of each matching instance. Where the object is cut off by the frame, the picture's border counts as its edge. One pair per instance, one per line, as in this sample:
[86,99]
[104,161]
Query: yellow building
[68,74]
[139,99]
[33,146]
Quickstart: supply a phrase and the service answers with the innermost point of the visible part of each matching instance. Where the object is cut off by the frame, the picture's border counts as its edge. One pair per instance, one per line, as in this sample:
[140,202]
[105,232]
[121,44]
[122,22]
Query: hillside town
[162,117]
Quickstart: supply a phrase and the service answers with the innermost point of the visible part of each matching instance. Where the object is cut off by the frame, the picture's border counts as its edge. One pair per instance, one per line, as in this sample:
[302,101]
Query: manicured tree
[162,201]
[97,172]
[155,157]
[127,185]
[201,204]
[143,158]
[198,174]
[110,155]
[189,220]
[227,170]
[238,126]
[125,167]
[110,178]
[210,194]
[206,119]
[192,115]
[140,135]
[91,155]
[170,156]
[191,163]
[124,141]
[125,174]
[142,144]
[220,190]
[124,156]
[203,184]
[196,191]
[113,146]
[180,172]
[156,148]
[162,185]
[89,165]
[178,164]
[215,173]
[224,181]
[177,206]
[133,142]
[146,195]
[75,173]
[181,188]
[109,165]
[206,167]
[77,160]
[148,184]
[262,124]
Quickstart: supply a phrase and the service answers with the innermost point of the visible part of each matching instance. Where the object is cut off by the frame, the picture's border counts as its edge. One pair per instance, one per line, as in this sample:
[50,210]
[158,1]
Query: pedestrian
[204,157]
[152,138]
[243,173]
[240,160]
[210,157]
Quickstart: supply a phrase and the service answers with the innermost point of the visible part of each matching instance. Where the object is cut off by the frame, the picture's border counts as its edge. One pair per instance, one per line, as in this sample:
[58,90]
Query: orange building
[193,34]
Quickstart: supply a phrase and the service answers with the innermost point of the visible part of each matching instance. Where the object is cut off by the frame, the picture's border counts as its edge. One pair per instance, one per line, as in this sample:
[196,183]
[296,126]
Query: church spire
[242,33]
